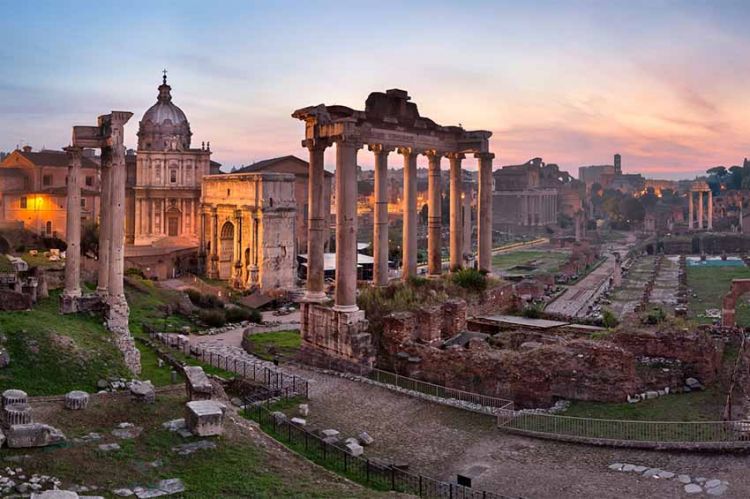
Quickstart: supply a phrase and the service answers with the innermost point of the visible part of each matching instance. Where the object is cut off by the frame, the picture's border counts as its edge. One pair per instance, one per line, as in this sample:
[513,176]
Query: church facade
[164,178]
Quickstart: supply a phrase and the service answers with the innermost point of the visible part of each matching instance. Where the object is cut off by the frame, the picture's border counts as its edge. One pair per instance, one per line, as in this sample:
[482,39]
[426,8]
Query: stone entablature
[248,227]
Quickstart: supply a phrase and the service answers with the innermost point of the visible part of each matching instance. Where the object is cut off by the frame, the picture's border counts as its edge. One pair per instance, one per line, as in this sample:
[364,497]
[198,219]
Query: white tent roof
[329,260]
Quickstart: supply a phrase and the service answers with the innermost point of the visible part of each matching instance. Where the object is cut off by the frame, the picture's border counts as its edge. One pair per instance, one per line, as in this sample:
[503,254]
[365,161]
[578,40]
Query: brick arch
[739,287]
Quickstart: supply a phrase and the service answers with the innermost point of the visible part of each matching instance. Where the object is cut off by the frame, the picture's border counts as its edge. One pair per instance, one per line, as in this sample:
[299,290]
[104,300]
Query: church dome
[164,126]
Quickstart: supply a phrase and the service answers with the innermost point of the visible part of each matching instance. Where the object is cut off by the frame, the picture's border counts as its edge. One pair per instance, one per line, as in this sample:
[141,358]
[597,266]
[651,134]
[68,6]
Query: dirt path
[439,441]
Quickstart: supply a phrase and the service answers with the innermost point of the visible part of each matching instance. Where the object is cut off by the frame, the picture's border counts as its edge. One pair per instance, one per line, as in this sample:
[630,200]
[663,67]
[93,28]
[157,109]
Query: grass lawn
[693,406]
[544,261]
[52,353]
[710,284]
[282,343]
[5,265]
[39,260]
[242,465]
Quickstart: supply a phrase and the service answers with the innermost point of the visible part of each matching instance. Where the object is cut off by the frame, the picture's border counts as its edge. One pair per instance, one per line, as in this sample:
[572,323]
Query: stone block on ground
[76,400]
[143,391]
[197,384]
[204,418]
[33,435]
[299,421]
[354,449]
[304,410]
[279,417]
[692,488]
[365,438]
[330,433]
[55,494]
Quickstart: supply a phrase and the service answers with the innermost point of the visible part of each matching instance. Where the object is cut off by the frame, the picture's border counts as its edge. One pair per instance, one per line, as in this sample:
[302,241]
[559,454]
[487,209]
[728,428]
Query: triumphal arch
[389,123]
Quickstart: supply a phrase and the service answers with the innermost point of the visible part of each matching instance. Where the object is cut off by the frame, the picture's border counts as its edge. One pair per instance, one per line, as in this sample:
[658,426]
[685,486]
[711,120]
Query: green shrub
[417,281]
[134,271]
[470,279]
[655,316]
[213,317]
[204,300]
[609,319]
[532,312]
[239,314]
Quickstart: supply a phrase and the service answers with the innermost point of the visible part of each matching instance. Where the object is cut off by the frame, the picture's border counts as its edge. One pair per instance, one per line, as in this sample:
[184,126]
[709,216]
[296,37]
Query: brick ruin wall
[535,369]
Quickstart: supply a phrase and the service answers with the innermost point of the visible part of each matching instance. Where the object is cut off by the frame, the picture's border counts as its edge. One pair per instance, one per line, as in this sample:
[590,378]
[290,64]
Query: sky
[663,83]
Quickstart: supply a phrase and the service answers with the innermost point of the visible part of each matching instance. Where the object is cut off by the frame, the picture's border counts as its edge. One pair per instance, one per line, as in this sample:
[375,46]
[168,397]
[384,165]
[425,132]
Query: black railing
[258,371]
[373,473]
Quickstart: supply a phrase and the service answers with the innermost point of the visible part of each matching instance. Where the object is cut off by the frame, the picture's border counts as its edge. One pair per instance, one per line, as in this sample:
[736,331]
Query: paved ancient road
[574,302]
[442,441]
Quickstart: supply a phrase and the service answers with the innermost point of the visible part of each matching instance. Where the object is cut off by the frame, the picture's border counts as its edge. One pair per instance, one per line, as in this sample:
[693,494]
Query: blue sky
[664,83]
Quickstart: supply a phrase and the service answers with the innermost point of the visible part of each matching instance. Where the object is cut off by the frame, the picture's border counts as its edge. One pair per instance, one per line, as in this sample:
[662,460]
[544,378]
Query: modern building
[33,190]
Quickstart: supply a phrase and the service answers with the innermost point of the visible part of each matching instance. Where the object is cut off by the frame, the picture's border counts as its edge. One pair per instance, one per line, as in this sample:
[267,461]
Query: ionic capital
[455,155]
[484,155]
[74,153]
[433,154]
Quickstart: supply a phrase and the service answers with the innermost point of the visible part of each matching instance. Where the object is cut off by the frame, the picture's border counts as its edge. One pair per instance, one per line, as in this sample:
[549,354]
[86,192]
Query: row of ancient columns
[111,225]
[694,223]
[538,209]
[346,217]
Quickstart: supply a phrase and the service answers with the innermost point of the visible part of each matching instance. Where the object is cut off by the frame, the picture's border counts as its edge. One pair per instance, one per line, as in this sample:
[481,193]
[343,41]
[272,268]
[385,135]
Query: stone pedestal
[204,418]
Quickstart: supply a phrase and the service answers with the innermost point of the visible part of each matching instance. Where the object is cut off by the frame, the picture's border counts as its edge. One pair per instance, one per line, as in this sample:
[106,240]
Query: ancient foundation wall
[334,339]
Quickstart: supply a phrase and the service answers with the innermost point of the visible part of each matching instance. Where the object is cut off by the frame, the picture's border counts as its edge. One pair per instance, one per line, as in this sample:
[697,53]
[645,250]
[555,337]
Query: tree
[719,171]
[632,209]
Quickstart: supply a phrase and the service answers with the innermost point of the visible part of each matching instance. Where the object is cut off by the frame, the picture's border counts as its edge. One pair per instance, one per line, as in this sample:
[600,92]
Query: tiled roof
[54,158]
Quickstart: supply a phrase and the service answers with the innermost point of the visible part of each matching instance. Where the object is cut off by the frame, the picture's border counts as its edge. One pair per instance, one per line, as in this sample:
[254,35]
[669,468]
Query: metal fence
[451,396]
[647,434]
[374,473]
[258,371]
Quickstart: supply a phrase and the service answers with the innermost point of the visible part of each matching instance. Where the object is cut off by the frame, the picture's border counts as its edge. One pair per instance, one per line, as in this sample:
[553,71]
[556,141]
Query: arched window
[49,228]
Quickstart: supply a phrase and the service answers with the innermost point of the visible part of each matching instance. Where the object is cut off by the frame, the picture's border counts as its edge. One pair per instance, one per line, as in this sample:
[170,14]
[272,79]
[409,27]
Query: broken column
[197,384]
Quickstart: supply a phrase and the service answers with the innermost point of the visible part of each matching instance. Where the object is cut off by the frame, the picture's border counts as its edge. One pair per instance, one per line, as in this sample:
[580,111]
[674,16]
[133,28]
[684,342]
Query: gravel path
[440,441]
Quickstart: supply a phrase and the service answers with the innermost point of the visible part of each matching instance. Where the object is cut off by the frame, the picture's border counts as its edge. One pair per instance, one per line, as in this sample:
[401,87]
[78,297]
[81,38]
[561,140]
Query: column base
[346,308]
[314,296]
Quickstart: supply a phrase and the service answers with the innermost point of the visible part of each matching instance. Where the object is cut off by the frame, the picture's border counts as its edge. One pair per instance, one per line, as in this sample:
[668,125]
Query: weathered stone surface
[717,491]
[55,494]
[299,421]
[15,414]
[354,449]
[304,410]
[143,391]
[109,447]
[692,488]
[365,438]
[666,475]
[197,383]
[684,479]
[713,483]
[330,433]
[14,397]
[33,435]
[76,400]
[204,418]
[189,448]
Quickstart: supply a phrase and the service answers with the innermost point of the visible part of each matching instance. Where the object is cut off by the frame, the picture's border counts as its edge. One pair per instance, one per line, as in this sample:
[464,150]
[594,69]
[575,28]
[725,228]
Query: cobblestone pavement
[440,441]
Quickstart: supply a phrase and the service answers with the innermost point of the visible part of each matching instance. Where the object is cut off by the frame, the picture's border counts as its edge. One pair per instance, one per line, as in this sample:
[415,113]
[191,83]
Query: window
[173,176]
[49,228]
[46,180]
[83,202]
[23,202]
[89,181]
